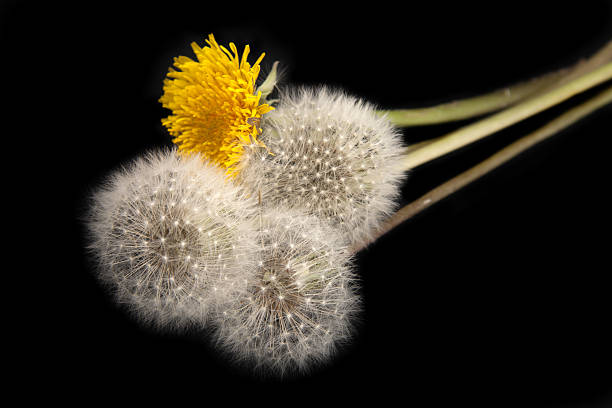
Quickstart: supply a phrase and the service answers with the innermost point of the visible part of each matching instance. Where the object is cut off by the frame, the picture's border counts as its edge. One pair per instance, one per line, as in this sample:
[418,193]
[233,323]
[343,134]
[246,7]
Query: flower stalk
[474,106]
[485,127]
[496,100]
[506,154]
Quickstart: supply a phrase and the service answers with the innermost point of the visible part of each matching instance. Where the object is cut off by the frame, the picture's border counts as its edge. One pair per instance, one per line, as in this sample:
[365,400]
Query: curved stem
[496,160]
[497,100]
[603,56]
[470,107]
[485,127]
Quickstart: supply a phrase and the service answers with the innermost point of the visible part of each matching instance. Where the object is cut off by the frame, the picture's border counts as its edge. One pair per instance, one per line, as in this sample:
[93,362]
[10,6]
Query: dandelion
[330,155]
[299,300]
[168,233]
[215,109]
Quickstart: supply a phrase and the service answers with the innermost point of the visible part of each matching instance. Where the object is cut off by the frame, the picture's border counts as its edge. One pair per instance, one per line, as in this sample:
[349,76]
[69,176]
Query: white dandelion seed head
[300,301]
[331,155]
[166,232]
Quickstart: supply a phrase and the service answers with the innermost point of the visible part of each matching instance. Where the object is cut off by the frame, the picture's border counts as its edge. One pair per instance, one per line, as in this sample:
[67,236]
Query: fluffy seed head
[330,155]
[167,232]
[299,300]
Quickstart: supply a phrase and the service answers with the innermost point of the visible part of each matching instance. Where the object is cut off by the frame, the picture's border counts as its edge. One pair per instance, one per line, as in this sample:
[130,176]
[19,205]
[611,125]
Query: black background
[497,295]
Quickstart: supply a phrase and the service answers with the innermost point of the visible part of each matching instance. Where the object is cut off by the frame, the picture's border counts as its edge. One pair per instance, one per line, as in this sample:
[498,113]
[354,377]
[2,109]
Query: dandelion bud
[167,232]
[330,155]
[299,299]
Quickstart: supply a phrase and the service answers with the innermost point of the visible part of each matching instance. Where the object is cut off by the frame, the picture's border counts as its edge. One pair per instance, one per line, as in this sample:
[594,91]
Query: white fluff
[299,302]
[330,155]
[169,234]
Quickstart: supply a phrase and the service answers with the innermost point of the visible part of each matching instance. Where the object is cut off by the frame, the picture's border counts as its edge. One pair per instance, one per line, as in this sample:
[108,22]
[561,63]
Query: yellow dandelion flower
[215,109]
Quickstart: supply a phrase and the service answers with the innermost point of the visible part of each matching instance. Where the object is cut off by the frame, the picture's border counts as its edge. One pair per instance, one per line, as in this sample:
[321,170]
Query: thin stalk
[485,127]
[603,56]
[497,100]
[496,160]
[471,107]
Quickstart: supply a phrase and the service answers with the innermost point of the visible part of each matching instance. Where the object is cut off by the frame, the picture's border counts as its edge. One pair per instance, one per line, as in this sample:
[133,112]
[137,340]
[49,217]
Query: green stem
[475,106]
[499,99]
[496,160]
[485,127]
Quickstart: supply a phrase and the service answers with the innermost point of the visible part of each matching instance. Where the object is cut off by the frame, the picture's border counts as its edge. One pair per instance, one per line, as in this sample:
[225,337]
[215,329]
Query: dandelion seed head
[275,323]
[157,264]
[352,173]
